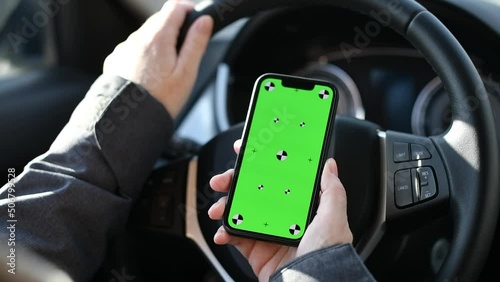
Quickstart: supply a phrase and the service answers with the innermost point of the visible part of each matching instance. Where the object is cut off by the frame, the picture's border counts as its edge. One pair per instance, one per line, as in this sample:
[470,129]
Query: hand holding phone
[273,194]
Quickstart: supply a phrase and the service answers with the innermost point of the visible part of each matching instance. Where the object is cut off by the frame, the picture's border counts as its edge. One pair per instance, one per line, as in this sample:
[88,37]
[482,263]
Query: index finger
[221,182]
[237,146]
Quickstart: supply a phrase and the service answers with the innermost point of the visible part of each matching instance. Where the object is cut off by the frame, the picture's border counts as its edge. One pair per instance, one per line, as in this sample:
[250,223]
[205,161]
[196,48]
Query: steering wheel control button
[403,192]
[427,183]
[419,152]
[401,152]
[416,184]
[169,178]
[162,210]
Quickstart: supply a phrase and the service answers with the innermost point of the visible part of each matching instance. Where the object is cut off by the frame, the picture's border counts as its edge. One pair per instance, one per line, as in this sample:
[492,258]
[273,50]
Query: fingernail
[217,234]
[331,166]
[204,24]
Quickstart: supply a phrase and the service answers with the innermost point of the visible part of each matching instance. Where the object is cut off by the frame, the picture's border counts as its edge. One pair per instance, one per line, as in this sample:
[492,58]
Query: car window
[25,28]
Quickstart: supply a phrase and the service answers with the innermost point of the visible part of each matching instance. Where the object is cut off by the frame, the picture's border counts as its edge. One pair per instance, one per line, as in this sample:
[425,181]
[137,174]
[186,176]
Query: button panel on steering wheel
[416,179]
[413,186]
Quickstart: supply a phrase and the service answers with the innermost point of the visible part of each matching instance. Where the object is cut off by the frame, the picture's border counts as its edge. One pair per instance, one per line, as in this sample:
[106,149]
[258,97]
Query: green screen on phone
[281,155]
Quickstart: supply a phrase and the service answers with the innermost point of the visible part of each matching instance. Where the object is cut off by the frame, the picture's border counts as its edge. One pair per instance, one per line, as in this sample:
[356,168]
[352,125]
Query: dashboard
[380,77]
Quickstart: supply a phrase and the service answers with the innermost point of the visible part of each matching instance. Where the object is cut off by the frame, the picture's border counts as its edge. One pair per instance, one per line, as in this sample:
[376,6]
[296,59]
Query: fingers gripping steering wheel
[456,172]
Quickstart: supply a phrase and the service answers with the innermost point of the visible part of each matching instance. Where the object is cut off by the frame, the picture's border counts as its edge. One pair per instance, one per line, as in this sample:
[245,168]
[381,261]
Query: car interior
[419,96]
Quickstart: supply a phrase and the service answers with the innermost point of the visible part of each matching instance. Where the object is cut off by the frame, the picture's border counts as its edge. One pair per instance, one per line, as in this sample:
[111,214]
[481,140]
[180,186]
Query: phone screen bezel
[293,82]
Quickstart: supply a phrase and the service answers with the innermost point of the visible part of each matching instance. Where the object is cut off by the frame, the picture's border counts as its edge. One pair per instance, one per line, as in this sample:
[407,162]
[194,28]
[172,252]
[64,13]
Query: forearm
[72,199]
[336,263]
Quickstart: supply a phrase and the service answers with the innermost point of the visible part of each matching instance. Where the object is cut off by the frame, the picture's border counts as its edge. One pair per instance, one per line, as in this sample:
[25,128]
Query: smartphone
[286,140]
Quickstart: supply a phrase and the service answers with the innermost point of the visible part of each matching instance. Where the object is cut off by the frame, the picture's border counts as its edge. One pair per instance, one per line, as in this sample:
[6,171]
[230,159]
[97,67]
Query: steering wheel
[393,180]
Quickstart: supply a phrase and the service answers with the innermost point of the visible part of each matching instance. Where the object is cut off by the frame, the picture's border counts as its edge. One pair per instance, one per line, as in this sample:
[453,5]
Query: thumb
[330,178]
[332,209]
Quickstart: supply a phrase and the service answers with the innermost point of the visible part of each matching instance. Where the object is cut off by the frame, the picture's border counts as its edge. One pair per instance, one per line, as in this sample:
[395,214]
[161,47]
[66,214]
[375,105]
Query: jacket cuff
[335,263]
[130,127]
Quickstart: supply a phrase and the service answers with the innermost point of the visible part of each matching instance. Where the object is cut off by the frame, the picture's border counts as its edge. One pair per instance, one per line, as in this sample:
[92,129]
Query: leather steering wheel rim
[471,139]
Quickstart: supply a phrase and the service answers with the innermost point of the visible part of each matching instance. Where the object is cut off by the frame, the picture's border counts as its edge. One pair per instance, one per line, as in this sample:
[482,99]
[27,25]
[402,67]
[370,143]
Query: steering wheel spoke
[404,184]
[417,188]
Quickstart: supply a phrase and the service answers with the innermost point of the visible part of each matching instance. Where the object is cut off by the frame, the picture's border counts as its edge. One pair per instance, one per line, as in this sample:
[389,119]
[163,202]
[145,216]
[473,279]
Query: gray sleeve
[71,200]
[336,263]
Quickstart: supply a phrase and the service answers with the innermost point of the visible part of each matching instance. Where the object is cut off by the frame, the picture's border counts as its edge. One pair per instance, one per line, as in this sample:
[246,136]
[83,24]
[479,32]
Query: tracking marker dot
[269,86]
[282,155]
[323,94]
[237,219]
[294,229]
